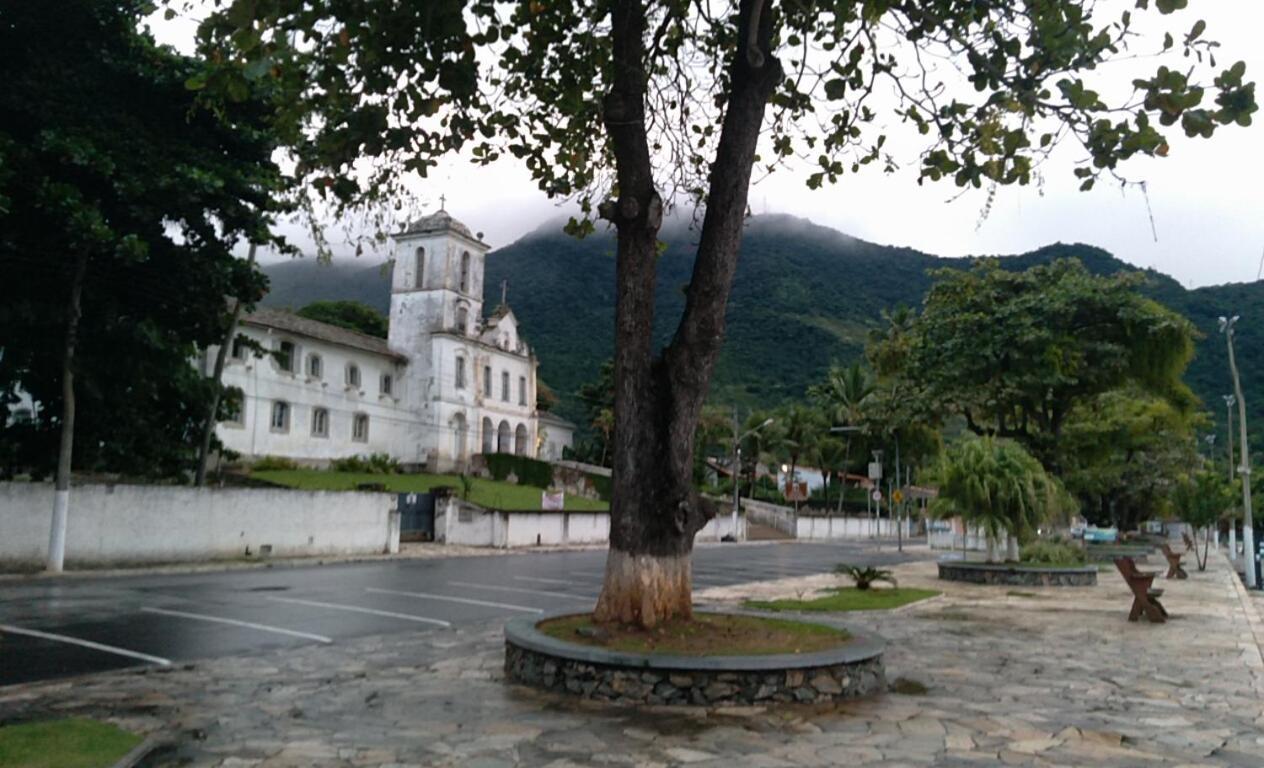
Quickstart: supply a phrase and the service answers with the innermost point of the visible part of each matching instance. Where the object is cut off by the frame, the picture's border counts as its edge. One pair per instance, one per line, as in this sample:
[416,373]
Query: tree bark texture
[212,408]
[655,510]
[65,454]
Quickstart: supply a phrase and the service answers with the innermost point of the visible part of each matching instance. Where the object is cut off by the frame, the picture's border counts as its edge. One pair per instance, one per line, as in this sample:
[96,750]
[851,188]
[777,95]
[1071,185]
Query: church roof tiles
[302,326]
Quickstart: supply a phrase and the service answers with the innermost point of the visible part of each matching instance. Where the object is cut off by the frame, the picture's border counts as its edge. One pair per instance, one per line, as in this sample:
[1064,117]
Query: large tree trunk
[655,510]
[61,487]
[212,408]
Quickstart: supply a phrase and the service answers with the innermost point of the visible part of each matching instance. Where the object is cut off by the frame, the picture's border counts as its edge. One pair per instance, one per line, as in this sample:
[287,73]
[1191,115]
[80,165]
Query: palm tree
[843,397]
[799,433]
[997,486]
[759,437]
[831,457]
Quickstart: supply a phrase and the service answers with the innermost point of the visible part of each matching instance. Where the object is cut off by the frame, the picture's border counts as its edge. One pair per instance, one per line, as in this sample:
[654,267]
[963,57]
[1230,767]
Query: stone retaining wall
[700,688]
[1017,575]
[535,659]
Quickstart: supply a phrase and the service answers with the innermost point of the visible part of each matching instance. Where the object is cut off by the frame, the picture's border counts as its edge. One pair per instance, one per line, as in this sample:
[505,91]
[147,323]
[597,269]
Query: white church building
[445,384]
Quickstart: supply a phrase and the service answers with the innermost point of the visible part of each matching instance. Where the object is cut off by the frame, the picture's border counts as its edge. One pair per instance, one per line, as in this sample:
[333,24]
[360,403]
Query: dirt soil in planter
[706,634]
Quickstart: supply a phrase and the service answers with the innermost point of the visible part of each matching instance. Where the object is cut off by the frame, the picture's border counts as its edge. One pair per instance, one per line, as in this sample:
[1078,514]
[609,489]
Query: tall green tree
[120,202]
[629,105]
[1121,453]
[1014,353]
[1202,499]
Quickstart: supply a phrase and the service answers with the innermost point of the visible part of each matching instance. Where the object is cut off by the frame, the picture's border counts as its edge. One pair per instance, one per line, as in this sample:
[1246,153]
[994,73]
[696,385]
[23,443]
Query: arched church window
[315,368]
[280,416]
[462,319]
[465,272]
[320,422]
[360,428]
[504,386]
[353,375]
[460,373]
[419,279]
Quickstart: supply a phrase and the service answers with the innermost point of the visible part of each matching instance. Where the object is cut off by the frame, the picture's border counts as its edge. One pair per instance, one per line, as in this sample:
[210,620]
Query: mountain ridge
[804,296]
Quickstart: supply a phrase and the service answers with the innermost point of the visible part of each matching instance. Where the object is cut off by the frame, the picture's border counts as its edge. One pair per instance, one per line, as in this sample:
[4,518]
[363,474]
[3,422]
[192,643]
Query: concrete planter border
[1008,574]
[538,660]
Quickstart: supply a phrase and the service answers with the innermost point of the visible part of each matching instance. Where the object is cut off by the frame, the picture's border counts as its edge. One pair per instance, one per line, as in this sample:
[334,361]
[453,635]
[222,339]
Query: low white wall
[722,525]
[832,527]
[121,524]
[781,518]
[459,522]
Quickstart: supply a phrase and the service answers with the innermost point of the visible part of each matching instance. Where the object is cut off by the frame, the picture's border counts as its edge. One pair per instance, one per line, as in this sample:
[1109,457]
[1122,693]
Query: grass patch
[485,493]
[907,687]
[707,634]
[73,743]
[848,599]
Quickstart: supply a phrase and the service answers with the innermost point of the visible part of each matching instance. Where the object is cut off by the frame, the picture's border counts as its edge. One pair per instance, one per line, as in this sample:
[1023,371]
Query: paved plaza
[1038,676]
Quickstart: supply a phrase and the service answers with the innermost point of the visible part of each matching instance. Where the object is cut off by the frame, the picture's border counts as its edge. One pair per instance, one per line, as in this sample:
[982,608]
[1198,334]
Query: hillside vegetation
[804,296]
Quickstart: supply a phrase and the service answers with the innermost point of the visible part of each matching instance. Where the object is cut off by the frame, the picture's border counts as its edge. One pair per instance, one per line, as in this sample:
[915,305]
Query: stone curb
[1255,622]
[139,752]
[523,633]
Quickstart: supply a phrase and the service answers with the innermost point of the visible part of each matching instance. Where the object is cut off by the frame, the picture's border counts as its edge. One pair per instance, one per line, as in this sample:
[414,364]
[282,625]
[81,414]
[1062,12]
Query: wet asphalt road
[75,625]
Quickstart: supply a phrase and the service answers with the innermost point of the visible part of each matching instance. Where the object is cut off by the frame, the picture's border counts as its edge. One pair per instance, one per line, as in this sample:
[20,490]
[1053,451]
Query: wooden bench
[1145,599]
[1174,569]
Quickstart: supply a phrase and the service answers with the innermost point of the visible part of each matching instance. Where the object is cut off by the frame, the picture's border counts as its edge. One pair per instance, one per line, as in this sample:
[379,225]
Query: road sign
[875,470]
[876,495]
[897,496]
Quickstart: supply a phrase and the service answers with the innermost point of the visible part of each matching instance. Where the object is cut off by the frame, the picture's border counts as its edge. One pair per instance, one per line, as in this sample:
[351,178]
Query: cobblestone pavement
[1039,676]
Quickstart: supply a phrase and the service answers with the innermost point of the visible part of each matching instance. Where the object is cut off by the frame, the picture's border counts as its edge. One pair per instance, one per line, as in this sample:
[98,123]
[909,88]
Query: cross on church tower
[443,202]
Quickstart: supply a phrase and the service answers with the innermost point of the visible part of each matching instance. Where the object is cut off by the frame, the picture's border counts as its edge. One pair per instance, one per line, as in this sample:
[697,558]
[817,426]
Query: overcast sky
[1206,197]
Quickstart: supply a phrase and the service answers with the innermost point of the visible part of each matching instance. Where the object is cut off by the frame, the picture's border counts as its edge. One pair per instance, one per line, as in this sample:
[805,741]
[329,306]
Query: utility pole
[1229,400]
[1248,534]
[737,472]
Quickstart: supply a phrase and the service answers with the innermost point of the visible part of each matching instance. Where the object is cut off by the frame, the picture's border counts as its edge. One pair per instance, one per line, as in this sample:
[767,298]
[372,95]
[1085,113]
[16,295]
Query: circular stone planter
[1017,575]
[538,660]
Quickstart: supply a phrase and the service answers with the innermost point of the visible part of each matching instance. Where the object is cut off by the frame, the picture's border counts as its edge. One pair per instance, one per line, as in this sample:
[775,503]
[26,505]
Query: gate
[416,516]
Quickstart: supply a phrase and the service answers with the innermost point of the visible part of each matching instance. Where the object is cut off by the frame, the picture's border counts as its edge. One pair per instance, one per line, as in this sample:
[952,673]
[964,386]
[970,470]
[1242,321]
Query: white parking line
[519,590]
[545,581]
[236,623]
[86,644]
[450,599]
[358,609]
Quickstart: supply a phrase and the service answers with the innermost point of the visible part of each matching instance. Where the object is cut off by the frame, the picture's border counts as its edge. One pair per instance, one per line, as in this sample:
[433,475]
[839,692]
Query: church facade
[446,384]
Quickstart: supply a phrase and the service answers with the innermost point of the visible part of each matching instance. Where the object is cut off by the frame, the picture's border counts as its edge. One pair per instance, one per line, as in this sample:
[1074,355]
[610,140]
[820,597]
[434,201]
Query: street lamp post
[737,465]
[1248,533]
[1229,401]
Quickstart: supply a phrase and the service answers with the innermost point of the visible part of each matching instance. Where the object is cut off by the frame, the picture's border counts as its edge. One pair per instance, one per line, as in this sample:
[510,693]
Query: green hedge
[529,471]
[602,485]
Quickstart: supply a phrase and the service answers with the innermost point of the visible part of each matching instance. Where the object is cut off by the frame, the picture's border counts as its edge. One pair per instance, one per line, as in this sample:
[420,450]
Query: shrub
[601,484]
[1049,552]
[374,464]
[865,575]
[268,463]
[533,472]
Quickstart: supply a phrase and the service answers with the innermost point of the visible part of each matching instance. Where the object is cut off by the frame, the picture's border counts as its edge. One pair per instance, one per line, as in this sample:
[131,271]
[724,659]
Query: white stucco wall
[826,528]
[120,524]
[263,382]
[480,527]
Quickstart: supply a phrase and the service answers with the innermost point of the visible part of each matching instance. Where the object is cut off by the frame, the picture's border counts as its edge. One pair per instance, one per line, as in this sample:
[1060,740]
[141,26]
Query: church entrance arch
[459,433]
[502,438]
[520,440]
[489,436]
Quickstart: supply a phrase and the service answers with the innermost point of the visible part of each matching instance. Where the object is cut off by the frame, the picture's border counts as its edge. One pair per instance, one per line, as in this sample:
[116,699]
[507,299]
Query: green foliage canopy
[996,485]
[1013,353]
[351,315]
[107,161]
